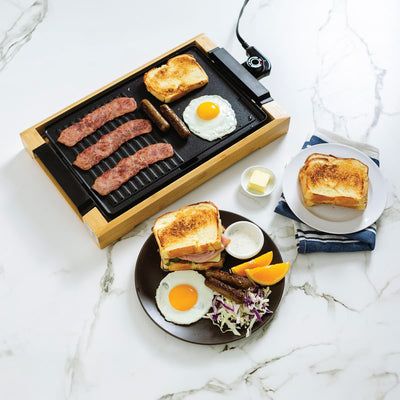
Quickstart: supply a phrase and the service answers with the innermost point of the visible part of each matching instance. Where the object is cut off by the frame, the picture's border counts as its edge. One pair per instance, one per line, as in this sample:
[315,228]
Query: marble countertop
[71,323]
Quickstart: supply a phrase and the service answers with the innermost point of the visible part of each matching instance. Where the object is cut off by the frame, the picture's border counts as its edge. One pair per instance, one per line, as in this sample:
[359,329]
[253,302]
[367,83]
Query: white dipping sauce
[245,240]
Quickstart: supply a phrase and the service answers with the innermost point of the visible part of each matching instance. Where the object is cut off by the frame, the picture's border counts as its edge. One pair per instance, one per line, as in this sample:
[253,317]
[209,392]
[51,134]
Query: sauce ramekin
[247,240]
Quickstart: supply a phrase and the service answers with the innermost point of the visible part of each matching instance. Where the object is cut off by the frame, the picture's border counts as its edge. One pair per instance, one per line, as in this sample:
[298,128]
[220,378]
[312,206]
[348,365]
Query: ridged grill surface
[188,153]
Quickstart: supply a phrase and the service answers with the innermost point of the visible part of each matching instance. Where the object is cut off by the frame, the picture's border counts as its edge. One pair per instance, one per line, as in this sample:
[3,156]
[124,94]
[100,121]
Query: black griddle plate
[189,153]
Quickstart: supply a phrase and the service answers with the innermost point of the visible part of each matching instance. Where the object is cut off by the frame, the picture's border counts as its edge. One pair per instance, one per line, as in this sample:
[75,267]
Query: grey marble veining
[18,22]
[343,50]
[75,365]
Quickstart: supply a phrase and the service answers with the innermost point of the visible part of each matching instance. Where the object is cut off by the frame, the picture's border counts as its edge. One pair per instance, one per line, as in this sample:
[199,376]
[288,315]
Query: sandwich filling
[207,255]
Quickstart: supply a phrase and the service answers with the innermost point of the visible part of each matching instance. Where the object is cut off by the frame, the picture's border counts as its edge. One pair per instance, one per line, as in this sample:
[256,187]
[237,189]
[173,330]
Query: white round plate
[330,218]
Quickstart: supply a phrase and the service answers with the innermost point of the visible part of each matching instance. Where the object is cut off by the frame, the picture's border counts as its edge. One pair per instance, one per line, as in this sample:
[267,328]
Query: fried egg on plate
[210,117]
[183,298]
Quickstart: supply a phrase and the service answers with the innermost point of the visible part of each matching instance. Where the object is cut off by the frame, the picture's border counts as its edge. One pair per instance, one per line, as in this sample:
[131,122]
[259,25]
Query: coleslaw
[232,317]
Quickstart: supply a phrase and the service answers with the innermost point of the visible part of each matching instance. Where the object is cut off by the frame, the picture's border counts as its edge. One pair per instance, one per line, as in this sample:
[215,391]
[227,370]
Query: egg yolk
[183,297]
[207,110]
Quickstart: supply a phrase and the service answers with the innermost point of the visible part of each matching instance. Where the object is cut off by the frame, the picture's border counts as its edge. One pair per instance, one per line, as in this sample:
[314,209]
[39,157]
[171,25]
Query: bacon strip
[128,167]
[107,144]
[94,120]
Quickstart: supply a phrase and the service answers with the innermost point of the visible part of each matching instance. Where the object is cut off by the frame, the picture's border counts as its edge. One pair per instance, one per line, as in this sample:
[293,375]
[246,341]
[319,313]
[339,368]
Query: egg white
[221,125]
[203,304]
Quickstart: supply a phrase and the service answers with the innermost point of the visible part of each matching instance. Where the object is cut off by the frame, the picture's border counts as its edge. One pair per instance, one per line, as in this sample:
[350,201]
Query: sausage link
[175,121]
[226,290]
[241,282]
[158,120]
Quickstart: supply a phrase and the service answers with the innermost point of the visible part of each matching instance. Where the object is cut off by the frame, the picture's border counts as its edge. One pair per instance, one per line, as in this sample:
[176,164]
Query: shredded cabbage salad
[232,317]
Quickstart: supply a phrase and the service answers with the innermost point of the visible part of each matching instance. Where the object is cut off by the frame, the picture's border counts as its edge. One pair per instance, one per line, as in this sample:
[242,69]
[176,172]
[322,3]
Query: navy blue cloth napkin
[310,240]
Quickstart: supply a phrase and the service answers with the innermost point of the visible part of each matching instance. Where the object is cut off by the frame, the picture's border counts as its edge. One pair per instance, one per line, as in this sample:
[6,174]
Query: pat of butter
[259,180]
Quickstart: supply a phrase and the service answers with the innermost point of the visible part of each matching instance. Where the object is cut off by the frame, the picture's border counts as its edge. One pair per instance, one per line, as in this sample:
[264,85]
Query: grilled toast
[326,179]
[193,229]
[179,76]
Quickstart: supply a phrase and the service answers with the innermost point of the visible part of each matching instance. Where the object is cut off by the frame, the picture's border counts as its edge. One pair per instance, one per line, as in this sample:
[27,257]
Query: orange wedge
[268,275]
[260,261]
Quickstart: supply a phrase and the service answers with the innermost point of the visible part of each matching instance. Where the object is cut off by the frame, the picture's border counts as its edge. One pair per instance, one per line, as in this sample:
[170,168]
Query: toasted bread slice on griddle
[179,76]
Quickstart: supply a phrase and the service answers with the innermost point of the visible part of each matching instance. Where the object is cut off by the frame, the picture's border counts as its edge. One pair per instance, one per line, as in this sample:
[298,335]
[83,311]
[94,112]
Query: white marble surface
[71,326]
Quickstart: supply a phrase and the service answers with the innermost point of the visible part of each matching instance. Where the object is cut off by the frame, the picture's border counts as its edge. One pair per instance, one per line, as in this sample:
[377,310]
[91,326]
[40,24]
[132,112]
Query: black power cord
[256,64]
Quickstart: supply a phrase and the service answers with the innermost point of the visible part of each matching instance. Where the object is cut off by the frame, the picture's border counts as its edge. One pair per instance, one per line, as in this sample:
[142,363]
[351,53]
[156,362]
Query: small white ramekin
[245,178]
[247,240]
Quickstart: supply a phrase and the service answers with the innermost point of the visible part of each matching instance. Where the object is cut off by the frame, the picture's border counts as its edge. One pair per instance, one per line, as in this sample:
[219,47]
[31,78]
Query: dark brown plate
[148,275]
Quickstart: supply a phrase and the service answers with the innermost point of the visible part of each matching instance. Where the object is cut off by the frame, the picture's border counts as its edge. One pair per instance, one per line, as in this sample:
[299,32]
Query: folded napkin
[310,240]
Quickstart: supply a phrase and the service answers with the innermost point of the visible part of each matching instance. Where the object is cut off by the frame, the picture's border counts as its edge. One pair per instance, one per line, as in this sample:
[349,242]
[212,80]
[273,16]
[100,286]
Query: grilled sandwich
[179,76]
[326,179]
[190,238]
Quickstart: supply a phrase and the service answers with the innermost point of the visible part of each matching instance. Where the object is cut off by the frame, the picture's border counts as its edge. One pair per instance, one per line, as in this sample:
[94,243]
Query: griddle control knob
[257,64]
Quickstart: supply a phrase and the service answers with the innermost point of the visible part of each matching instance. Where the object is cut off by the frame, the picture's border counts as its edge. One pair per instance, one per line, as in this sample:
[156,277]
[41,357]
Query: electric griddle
[259,121]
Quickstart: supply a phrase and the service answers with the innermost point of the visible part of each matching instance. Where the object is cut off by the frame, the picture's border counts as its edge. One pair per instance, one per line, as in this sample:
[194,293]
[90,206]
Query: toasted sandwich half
[190,238]
[326,179]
